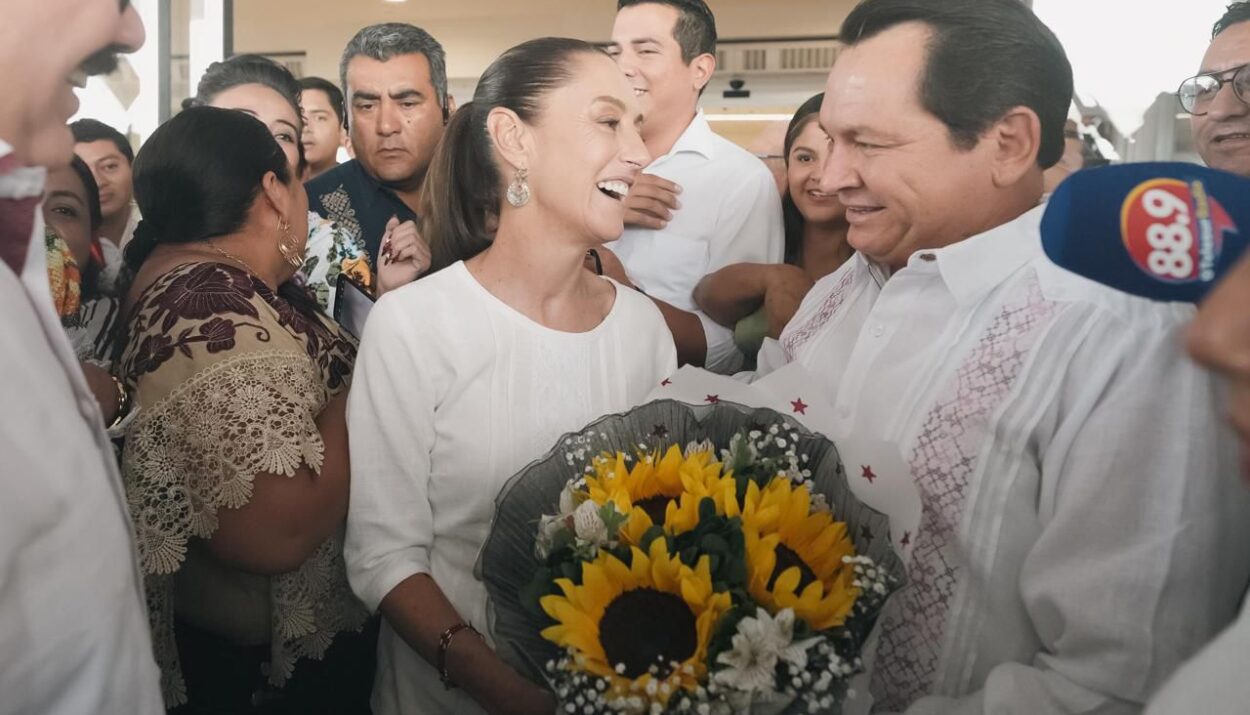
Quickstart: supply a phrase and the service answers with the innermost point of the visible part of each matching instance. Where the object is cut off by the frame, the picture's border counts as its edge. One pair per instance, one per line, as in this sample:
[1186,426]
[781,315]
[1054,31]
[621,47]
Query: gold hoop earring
[290,251]
[519,189]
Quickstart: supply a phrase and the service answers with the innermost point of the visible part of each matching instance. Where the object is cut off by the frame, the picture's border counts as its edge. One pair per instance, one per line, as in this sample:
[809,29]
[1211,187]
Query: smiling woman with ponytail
[236,465]
[470,373]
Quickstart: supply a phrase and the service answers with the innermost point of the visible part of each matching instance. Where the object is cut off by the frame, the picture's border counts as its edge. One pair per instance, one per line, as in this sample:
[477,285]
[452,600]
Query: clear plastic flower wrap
[681,558]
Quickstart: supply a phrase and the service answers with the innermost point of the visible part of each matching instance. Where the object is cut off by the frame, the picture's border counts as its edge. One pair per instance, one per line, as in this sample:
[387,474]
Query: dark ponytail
[463,184]
[461,189]
[197,177]
[141,244]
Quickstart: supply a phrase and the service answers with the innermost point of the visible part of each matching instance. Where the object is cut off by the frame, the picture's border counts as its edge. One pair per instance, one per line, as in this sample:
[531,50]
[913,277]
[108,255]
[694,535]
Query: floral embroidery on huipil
[229,379]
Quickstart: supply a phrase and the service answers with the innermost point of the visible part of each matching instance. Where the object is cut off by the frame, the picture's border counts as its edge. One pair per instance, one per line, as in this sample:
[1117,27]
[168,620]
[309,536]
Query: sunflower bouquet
[689,559]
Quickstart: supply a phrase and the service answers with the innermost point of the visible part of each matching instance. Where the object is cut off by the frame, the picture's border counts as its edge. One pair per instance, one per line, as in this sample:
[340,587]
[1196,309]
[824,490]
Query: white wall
[474,32]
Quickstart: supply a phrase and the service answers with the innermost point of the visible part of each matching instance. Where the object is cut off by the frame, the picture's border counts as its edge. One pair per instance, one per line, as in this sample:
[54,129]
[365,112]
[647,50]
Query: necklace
[233,257]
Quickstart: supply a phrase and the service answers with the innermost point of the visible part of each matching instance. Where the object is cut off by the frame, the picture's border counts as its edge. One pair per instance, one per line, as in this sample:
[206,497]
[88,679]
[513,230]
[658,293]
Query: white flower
[567,501]
[704,446]
[760,642]
[794,474]
[588,525]
[820,504]
[548,527]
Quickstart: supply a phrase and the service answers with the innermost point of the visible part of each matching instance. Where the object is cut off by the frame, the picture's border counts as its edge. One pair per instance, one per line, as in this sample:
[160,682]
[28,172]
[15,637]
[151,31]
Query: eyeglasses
[1197,93]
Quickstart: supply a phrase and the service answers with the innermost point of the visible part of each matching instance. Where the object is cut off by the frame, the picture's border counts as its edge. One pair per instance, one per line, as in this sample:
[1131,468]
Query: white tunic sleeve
[391,434]
[1141,514]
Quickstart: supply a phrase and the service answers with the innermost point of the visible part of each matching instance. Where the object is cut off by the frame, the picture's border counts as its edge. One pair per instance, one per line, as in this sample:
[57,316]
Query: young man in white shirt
[74,633]
[1080,527]
[1214,682]
[109,155]
[325,124]
[703,202]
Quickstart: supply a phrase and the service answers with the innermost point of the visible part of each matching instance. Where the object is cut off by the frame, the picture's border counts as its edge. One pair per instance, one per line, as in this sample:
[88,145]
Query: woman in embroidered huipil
[236,466]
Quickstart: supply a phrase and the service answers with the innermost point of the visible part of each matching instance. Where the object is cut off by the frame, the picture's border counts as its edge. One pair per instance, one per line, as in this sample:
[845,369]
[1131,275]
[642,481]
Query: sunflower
[682,514]
[794,556]
[652,484]
[645,627]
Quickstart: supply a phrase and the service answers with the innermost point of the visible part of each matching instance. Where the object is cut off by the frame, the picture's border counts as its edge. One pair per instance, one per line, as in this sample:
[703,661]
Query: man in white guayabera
[1080,514]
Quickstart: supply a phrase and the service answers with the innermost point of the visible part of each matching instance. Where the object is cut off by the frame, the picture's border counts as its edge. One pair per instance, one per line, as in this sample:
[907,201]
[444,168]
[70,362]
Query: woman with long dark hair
[236,465]
[71,213]
[467,375]
[759,299]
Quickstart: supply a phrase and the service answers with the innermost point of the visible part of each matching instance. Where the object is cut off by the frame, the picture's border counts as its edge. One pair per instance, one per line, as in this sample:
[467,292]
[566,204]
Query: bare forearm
[336,463]
[103,388]
[420,613]
[733,292]
[687,332]
[288,518]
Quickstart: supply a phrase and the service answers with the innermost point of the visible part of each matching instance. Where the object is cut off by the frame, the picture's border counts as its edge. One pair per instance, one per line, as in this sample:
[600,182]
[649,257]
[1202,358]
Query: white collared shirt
[730,213]
[1082,523]
[74,633]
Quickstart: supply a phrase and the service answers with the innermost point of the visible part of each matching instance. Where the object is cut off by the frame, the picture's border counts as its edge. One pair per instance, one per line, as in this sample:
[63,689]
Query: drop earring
[286,245]
[519,189]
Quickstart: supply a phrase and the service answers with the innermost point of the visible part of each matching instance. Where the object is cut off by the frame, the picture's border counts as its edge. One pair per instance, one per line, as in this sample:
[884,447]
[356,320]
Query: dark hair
[386,40]
[695,30]
[807,113]
[985,57]
[332,93]
[250,69]
[90,130]
[92,189]
[1235,13]
[462,186]
[198,176]
[90,272]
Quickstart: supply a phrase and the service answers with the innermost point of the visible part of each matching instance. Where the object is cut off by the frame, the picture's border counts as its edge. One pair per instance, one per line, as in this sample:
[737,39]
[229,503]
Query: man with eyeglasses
[1214,682]
[1217,96]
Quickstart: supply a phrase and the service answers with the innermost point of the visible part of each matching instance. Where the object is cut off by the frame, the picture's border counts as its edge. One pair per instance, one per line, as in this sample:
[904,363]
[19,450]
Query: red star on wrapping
[712,399]
[799,407]
[906,538]
[666,382]
[866,473]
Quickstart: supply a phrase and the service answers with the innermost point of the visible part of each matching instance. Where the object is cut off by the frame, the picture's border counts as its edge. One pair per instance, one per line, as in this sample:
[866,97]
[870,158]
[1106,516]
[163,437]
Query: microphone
[1164,231]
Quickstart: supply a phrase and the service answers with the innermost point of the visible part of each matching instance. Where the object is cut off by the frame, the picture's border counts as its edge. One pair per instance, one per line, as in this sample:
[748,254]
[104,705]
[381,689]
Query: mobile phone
[352,303]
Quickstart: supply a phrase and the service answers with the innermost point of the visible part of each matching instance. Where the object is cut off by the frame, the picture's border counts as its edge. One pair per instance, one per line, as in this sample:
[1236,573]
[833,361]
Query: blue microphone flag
[1165,231]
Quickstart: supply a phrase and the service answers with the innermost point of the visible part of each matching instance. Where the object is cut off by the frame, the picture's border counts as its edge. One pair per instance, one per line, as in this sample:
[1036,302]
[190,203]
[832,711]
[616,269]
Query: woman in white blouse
[466,376]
